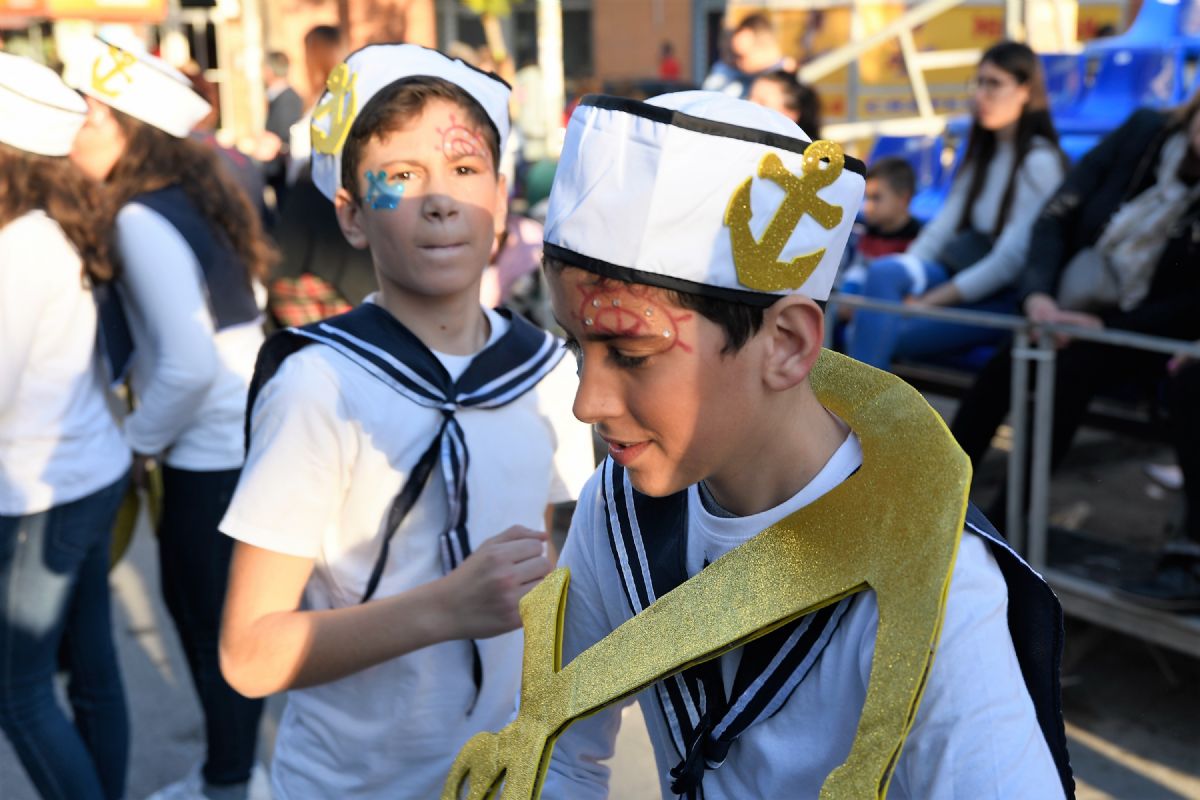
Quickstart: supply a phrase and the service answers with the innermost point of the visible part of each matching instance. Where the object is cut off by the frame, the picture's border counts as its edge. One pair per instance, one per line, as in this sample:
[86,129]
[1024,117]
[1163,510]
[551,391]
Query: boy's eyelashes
[615,356]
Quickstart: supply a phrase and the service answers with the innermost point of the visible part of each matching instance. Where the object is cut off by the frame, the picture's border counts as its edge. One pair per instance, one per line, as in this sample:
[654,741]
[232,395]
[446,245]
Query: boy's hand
[483,591]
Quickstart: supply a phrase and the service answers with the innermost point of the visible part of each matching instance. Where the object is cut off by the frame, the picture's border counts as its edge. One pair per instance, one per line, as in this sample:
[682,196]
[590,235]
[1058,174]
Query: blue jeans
[876,337]
[193,558]
[54,594]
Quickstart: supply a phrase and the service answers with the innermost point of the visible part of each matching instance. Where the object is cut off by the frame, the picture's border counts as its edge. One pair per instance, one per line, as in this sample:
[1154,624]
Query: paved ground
[1133,711]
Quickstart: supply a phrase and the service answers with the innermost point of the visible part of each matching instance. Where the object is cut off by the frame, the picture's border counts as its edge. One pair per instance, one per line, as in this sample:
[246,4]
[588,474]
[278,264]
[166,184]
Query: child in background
[887,227]
[402,456]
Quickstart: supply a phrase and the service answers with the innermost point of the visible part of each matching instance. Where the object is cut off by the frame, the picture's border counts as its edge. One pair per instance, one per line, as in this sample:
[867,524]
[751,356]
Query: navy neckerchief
[375,340]
[703,722]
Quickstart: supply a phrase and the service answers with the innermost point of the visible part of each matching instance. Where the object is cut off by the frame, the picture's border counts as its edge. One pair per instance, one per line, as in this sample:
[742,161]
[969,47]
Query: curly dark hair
[153,160]
[29,182]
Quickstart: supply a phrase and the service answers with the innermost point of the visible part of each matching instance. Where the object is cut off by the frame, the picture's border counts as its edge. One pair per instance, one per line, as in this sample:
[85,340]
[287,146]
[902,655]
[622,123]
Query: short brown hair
[758,23]
[896,173]
[402,101]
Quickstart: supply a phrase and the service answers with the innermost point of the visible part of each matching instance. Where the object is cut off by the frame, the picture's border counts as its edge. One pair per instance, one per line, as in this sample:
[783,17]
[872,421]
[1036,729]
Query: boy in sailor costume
[777,559]
[401,457]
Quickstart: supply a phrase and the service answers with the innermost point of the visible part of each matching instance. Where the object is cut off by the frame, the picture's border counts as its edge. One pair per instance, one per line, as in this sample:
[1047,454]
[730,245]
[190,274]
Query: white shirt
[190,380]
[58,440]
[975,735]
[331,448]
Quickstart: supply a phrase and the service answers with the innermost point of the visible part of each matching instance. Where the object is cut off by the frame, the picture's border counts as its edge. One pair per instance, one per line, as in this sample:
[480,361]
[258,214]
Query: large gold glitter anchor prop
[118,67]
[757,261]
[340,107]
[893,526]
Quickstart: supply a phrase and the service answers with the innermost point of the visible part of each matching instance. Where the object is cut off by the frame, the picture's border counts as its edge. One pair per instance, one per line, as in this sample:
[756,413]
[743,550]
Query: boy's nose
[595,400]
[439,206]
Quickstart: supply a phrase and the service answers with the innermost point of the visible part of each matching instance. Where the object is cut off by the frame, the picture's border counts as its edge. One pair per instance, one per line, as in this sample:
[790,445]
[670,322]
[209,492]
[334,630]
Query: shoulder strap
[230,297]
[1036,621]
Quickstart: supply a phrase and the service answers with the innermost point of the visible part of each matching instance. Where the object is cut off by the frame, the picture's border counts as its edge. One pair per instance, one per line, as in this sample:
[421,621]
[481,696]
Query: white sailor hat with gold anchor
[143,86]
[354,82]
[38,112]
[703,193]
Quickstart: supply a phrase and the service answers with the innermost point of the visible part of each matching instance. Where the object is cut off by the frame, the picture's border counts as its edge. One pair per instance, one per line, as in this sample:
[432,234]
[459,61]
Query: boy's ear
[349,217]
[795,331]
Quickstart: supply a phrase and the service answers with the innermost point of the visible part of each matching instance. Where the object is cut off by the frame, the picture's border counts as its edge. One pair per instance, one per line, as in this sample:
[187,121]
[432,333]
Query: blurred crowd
[1110,242]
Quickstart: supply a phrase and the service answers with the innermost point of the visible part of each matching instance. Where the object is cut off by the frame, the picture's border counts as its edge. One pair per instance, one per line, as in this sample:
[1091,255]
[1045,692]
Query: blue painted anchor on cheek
[382,194]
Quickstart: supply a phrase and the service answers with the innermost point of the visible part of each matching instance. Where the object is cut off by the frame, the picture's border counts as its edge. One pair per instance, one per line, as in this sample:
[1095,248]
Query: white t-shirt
[190,380]
[975,735]
[331,448]
[58,440]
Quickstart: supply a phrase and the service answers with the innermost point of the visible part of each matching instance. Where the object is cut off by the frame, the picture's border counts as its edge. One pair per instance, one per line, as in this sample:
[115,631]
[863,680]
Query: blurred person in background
[781,91]
[1115,247]
[668,64]
[63,464]
[324,49]
[190,249]
[972,252]
[284,109]
[753,50]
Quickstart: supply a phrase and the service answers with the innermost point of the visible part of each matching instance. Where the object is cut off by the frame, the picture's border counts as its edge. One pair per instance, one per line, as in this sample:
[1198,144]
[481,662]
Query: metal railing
[1027,527]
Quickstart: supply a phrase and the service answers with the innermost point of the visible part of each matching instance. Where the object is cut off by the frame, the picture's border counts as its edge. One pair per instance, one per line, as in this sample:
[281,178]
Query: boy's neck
[894,227]
[453,324]
[779,460]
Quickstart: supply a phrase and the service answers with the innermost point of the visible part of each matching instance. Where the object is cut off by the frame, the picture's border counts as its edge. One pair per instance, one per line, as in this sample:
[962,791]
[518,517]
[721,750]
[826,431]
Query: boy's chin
[655,483]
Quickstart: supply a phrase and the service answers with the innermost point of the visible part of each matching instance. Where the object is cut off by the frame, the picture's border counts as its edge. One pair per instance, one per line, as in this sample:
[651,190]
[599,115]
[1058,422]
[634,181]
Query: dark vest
[226,282]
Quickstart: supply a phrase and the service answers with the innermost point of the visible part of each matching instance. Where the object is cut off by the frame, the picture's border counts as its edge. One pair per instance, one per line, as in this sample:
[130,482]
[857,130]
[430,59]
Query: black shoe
[1173,586]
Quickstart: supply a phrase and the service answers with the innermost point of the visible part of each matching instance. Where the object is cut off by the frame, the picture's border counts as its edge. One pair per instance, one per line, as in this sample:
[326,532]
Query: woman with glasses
[972,251]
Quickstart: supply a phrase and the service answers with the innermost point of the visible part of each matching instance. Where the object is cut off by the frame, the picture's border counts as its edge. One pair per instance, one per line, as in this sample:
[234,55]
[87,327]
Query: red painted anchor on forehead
[459,141]
[629,309]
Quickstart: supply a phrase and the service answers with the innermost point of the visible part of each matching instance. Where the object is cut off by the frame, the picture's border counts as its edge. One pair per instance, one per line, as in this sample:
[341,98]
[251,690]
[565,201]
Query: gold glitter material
[757,260]
[340,107]
[118,67]
[893,526]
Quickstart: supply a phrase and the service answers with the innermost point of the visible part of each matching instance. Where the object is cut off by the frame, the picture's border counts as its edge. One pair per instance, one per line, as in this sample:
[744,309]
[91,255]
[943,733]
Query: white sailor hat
[353,83]
[703,193]
[142,86]
[38,112]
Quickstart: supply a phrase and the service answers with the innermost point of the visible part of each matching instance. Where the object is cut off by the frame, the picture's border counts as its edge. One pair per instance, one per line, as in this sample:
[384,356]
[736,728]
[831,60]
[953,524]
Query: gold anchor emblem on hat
[340,107]
[757,260]
[119,67]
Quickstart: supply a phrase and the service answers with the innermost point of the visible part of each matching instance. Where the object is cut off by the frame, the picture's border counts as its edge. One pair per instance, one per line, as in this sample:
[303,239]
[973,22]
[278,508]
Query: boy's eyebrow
[603,336]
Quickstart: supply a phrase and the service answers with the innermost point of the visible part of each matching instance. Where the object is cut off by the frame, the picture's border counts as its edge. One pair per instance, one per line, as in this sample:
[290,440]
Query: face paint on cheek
[629,310]
[459,141]
[382,195]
